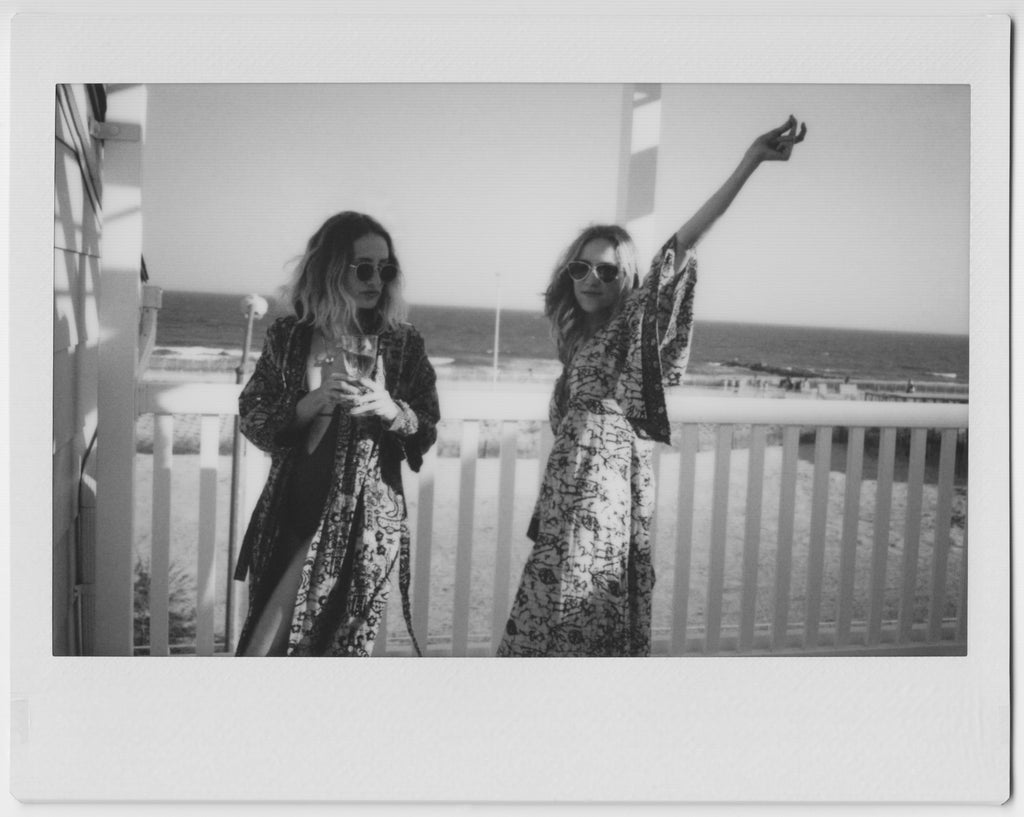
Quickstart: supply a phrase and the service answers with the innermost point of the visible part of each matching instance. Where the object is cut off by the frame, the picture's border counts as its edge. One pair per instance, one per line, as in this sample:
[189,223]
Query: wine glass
[354,356]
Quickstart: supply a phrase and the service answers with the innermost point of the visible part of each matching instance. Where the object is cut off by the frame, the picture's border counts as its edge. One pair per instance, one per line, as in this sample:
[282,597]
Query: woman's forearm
[306,409]
[775,145]
[693,230]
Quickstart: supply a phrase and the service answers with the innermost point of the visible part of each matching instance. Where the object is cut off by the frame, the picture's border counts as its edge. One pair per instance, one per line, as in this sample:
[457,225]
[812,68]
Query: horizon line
[537,313]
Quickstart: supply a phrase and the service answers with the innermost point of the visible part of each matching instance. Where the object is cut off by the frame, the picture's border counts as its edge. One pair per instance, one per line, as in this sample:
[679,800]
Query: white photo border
[659,730]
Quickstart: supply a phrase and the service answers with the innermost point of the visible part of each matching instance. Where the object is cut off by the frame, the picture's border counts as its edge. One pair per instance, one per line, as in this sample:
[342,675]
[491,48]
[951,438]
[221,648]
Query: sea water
[466,336]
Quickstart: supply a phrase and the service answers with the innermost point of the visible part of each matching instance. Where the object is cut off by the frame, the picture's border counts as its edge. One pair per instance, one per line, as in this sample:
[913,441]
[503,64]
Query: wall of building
[76,266]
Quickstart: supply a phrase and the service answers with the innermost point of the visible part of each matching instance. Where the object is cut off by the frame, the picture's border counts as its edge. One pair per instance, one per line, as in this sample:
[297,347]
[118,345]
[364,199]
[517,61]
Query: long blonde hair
[317,294]
[560,304]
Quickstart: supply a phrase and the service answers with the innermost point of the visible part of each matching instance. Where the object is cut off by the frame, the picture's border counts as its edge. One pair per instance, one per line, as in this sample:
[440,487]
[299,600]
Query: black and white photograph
[662,371]
[597,397]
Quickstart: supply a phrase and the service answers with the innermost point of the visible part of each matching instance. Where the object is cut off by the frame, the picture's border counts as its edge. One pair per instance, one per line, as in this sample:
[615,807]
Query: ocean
[466,335]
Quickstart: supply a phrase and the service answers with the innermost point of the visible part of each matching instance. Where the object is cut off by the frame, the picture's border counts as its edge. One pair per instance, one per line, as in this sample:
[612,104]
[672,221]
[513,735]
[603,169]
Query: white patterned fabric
[587,584]
[361,533]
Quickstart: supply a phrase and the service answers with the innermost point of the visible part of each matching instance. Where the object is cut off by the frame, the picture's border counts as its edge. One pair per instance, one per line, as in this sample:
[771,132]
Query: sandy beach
[198,363]
[185,489]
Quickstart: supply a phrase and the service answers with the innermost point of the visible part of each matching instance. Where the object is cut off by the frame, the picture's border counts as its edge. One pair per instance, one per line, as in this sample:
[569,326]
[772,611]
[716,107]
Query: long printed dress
[587,584]
[362,530]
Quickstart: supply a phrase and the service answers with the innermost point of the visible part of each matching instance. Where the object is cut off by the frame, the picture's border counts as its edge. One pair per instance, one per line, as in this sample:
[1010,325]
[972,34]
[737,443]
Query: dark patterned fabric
[587,584]
[364,516]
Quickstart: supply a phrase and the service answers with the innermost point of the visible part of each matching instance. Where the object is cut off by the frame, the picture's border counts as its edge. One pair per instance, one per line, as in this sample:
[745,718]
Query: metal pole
[254,308]
[497,328]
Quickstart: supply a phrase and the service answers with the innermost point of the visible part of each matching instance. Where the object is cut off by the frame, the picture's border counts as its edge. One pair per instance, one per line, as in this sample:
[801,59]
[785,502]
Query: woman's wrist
[405,423]
[307,407]
[749,163]
[392,412]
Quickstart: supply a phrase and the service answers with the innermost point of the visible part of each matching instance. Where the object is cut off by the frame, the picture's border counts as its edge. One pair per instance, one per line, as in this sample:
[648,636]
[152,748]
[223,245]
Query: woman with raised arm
[587,584]
[330,526]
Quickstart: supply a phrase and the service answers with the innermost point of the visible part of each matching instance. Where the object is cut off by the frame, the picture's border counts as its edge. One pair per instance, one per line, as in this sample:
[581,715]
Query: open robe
[587,584]
[365,510]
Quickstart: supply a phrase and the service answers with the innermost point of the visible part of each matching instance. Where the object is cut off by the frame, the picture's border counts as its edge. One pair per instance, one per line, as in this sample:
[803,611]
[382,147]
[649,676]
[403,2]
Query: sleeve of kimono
[672,308]
[659,325]
[266,406]
[415,428]
[559,399]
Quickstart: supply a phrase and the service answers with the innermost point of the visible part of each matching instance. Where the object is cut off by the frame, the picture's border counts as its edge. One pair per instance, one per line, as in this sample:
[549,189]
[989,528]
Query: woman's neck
[369,320]
[367,323]
[593,321]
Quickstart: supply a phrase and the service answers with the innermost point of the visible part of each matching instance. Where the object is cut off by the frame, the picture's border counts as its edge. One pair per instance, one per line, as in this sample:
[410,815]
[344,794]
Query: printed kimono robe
[365,509]
[587,585]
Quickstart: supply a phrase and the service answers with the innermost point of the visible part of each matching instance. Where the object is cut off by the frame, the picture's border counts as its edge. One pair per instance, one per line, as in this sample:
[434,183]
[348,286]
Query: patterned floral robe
[366,479]
[587,584]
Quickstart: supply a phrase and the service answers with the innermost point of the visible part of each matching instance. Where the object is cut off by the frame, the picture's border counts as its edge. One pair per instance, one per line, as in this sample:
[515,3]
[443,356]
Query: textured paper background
[892,729]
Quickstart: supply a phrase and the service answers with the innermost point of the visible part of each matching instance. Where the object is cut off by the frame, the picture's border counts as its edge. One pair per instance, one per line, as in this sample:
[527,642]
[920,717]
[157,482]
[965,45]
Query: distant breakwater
[784,371]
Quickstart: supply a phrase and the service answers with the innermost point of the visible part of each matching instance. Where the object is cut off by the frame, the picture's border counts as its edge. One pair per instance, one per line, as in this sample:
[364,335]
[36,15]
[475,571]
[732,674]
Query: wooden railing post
[701,536]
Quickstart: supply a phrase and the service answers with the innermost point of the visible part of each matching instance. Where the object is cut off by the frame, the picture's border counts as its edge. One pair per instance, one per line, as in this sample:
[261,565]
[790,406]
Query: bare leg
[270,633]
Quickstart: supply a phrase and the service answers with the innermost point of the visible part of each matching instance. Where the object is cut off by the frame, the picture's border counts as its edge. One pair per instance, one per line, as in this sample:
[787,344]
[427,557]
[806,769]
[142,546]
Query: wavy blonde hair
[560,305]
[317,294]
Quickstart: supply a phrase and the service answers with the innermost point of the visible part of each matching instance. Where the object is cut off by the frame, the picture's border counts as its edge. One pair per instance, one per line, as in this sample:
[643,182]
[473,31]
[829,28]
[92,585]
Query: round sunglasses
[578,270]
[388,271]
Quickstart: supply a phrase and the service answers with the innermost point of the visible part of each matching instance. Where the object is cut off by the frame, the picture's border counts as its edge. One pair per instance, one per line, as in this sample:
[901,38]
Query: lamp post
[253,308]
[497,326]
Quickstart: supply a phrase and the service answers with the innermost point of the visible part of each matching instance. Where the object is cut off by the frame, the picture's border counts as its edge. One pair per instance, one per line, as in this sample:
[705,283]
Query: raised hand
[777,144]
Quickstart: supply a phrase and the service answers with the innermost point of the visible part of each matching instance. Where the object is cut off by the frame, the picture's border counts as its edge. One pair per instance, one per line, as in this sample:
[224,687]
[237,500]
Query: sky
[483,185]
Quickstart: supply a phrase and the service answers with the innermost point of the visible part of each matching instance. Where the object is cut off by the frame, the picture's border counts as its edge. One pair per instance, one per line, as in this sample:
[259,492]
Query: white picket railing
[779,629]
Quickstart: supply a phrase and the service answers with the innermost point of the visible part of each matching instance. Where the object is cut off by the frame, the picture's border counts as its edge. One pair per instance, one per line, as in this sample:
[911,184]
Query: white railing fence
[782,526]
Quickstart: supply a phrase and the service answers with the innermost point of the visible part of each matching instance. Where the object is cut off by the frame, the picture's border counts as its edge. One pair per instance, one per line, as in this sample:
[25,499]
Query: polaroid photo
[648,344]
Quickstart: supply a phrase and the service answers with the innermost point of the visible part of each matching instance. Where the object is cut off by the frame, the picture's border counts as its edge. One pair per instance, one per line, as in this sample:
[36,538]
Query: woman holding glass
[587,585]
[341,394]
